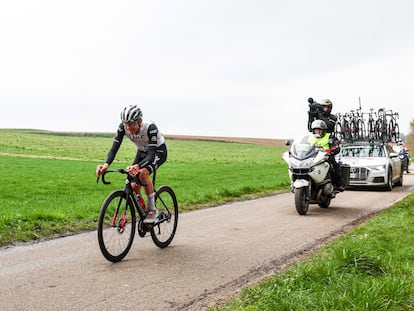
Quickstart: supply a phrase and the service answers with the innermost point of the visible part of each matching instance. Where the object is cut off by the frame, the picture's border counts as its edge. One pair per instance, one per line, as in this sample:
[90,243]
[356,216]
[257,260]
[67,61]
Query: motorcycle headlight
[301,163]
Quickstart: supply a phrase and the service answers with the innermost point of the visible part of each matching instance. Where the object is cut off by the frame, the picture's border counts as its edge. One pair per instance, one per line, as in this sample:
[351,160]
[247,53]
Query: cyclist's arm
[115,145]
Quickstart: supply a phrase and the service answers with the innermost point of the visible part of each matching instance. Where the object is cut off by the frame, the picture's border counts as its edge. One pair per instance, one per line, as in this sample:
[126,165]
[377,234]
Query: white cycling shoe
[151,217]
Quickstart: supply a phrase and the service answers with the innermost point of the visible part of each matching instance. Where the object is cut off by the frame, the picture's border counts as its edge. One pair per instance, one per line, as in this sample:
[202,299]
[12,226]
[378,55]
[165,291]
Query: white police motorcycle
[309,172]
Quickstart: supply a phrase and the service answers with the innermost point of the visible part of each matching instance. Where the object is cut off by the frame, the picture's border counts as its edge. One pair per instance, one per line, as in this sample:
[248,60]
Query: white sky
[202,67]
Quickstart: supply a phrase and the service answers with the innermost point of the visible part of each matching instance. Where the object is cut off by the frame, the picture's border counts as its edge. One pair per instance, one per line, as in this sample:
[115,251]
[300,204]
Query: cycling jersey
[151,148]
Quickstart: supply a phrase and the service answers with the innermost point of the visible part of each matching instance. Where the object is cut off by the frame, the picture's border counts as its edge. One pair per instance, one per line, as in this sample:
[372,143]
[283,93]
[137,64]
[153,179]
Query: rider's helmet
[326,102]
[321,125]
[131,113]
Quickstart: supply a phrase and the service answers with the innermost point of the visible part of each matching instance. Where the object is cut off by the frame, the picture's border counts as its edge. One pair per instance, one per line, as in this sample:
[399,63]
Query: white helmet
[131,113]
[319,124]
[328,103]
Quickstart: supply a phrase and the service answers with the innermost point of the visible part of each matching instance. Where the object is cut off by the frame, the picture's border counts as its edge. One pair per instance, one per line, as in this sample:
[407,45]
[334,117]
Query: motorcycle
[405,159]
[309,172]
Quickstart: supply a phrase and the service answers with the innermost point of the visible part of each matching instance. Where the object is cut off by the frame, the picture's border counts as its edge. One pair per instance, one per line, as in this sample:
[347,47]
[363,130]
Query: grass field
[48,185]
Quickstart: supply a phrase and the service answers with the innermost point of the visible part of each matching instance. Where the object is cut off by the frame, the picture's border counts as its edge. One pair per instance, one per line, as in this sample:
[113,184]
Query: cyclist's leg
[144,177]
[147,170]
[160,158]
[136,186]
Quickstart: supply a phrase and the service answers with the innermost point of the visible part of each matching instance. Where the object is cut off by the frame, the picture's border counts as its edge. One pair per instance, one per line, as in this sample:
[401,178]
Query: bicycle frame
[137,200]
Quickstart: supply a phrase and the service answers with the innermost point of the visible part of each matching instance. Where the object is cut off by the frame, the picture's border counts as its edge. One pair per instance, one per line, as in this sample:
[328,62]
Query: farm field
[48,185]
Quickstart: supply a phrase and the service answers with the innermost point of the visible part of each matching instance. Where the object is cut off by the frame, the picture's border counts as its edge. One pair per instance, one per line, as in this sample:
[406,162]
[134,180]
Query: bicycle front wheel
[164,229]
[116,226]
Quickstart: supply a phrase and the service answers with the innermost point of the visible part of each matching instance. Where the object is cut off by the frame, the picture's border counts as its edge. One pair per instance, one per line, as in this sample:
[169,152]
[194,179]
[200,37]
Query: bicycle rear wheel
[164,229]
[339,133]
[361,130]
[394,131]
[116,226]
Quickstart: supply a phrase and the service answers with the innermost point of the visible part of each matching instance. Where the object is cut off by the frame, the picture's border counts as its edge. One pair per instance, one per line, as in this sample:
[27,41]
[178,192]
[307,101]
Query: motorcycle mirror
[287,142]
[310,100]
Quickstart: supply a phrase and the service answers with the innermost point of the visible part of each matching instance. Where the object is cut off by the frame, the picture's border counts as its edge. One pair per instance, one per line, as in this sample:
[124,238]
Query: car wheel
[400,180]
[388,186]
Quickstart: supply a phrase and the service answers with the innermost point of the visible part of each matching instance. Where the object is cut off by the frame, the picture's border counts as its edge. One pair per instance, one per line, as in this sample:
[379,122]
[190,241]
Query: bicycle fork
[120,224]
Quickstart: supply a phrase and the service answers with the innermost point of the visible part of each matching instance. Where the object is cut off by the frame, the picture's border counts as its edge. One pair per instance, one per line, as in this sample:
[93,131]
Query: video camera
[314,107]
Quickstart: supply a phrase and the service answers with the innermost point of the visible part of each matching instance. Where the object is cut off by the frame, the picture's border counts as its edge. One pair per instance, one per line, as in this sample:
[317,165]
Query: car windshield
[363,151]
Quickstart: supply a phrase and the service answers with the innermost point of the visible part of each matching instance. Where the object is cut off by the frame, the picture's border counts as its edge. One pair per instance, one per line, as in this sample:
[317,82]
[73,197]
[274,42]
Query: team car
[372,164]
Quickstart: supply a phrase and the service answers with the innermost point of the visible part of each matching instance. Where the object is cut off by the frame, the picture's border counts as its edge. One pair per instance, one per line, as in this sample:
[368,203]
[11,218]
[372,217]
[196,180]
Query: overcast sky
[202,67]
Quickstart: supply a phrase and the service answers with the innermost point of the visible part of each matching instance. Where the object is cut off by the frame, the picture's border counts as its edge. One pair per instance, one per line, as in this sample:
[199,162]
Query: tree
[410,137]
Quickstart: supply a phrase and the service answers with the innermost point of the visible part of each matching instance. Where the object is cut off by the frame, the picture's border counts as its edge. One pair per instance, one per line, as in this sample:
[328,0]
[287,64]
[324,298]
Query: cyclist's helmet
[321,125]
[326,102]
[131,113]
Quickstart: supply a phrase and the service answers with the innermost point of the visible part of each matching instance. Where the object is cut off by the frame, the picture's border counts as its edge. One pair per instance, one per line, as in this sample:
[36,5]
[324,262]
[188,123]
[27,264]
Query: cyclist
[320,137]
[321,111]
[151,152]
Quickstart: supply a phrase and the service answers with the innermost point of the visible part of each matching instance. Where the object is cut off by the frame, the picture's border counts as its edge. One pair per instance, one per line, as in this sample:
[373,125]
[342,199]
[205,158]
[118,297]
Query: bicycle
[360,124]
[117,219]
[371,124]
[344,127]
[338,131]
[393,129]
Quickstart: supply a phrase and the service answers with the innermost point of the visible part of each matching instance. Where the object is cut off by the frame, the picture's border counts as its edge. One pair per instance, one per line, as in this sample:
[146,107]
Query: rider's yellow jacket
[328,142]
[320,142]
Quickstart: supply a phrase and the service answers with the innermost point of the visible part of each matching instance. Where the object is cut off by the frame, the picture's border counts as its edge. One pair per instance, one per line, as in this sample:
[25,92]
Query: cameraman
[321,111]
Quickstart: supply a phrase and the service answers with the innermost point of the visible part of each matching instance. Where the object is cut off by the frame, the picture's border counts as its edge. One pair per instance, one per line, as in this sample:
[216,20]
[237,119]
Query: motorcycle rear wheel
[301,200]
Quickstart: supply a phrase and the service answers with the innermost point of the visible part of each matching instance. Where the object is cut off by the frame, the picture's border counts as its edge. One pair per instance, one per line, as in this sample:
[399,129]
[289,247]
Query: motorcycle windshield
[302,148]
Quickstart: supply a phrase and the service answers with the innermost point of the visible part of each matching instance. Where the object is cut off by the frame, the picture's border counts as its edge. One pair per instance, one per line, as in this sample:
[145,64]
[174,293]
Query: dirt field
[257,141]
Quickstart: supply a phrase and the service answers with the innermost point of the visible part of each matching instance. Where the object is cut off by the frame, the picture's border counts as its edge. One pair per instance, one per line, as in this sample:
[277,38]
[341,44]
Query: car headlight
[378,168]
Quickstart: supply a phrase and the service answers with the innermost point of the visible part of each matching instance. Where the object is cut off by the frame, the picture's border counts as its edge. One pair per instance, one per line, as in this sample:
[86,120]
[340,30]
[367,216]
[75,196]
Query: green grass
[370,268]
[48,184]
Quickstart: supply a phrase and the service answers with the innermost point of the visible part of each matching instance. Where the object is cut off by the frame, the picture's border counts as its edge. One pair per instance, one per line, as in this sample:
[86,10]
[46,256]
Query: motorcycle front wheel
[301,200]
[325,203]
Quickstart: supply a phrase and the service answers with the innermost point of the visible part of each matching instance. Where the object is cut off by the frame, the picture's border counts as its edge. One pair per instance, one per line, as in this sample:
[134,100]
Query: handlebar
[122,171]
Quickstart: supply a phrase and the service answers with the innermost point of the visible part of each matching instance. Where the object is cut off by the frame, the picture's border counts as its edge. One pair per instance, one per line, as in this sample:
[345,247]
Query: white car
[372,164]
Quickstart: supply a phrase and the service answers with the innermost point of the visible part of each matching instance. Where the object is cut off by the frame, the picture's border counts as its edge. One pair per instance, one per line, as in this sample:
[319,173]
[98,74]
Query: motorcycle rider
[322,138]
[321,111]
[402,150]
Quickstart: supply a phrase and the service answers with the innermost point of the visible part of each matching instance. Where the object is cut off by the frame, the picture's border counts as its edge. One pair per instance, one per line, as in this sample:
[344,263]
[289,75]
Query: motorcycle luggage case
[345,170]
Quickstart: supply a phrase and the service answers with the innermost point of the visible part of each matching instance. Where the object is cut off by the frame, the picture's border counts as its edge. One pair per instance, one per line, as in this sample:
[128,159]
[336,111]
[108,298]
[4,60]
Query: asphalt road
[215,253]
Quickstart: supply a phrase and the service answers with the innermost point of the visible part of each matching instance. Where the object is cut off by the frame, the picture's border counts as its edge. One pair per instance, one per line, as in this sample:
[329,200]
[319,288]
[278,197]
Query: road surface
[214,254]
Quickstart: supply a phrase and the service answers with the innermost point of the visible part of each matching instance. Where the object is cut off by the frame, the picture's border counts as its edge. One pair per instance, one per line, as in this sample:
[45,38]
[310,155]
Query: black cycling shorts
[160,158]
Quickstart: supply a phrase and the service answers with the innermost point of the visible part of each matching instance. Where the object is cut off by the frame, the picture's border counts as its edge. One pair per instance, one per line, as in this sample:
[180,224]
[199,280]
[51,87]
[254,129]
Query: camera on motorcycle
[314,107]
